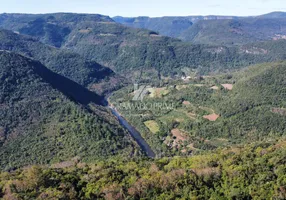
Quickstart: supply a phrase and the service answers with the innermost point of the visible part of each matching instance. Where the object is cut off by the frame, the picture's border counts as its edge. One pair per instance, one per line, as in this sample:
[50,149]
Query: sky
[152,8]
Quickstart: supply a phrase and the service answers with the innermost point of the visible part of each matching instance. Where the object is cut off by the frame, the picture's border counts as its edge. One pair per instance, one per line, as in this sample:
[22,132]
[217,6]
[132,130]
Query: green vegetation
[220,136]
[136,53]
[216,30]
[167,26]
[64,62]
[235,31]
[153,126]
[209,116]
[39,124]
[49,28]
[255,171]
[143,55]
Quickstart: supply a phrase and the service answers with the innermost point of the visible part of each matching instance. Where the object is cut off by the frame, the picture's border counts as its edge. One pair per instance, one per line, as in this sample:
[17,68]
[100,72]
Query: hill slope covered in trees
[236,32]
[226,30]
[44,118]
[141,53]
[255,171]
[64,62]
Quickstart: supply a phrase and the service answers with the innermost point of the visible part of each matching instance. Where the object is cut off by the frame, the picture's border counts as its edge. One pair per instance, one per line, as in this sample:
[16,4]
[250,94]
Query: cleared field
[186,103]
[177,138]
[180,87]
[178,134]
[198,85]
[158,92]
[212,117]
[175,115]
[227,86]
[152,126]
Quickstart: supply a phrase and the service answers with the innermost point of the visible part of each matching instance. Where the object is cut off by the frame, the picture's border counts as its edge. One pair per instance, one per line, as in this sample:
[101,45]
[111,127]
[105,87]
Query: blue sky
[146,7]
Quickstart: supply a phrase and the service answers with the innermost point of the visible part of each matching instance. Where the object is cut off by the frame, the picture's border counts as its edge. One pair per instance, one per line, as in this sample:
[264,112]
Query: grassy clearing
[212,117]
[158,92]
[152,126]
[180,87]
[174,115]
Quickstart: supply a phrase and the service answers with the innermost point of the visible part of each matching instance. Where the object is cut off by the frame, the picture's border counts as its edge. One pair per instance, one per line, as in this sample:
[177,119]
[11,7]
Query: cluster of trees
[255,171]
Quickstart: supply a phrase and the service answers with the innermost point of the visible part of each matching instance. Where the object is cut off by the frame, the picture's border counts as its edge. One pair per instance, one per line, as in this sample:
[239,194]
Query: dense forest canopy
[250,172]
[41,120]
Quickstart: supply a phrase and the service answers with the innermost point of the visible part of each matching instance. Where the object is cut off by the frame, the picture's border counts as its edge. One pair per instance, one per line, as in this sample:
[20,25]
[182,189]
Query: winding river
[134,133]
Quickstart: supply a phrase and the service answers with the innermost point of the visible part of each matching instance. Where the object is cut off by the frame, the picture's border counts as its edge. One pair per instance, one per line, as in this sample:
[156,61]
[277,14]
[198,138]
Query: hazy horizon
[139,15]
[160,8]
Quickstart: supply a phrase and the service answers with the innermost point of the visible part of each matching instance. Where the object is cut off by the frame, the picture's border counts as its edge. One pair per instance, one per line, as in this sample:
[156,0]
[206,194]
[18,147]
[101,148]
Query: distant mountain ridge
[273,15]
[49,28]
[167,26]
[205,27]
[133,53]
[236,32]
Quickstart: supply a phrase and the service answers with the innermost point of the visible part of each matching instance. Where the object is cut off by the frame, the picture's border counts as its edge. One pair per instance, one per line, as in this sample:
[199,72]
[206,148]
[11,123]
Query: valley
[134,133]
[202,106]
[95,107]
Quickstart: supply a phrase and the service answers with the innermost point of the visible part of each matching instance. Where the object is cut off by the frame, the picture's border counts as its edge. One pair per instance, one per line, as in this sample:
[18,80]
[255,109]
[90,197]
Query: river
[134,133]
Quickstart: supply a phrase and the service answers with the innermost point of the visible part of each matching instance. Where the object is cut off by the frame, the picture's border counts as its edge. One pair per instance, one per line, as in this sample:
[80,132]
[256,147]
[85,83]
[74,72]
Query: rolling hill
[62,61]
[227,30]
[135,53]
[45,117]
[142,54]
[167,26]
[273,15]
[48,28]
[236,32]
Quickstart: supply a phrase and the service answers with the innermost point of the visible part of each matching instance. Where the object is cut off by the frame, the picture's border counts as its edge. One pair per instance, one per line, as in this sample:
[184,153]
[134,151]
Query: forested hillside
[236,32]
[252,172]
[71,65]
[41,120]
[143,54]
[167,26]
[218,30]
[48,28]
